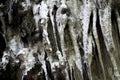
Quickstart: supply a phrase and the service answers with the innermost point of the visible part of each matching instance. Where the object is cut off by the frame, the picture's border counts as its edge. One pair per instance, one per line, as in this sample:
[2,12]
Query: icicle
[105,21]
[97,41]
[36,8]
[106,26]
[44,19]
[44,68]
[61,20]
[71,23]
[86,38]
[85,21]
[51,7]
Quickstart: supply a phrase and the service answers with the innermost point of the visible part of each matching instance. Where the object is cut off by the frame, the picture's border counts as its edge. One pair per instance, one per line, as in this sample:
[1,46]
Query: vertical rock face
[59,40]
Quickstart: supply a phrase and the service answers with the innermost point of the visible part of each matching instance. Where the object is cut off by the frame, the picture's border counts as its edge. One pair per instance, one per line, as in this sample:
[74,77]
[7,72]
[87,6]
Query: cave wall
[59,40]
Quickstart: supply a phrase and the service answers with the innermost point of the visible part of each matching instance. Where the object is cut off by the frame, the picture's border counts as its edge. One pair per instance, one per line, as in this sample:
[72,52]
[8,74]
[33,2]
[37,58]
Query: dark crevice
[52,38]
[69,73]
[68,41]
[95,51]
[95,59]
[37,1]
[94,48]
[115,4]
[27,27]
[90,23]
[49,71]
[59,74]
[56,30]
[2,44]
[96,72]
[32,74]
[45,58]
[116,37]
[81,1]
[24,36]
[1,27]
[3,1]
[14,15]
[115,23]
[73,77]
[104,53]
[43,77]
[85,72]
[16,72]
[80,44]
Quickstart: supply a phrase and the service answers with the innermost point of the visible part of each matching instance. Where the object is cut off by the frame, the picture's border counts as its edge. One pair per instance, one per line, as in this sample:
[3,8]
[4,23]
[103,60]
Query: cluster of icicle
[25,55]
[64,17]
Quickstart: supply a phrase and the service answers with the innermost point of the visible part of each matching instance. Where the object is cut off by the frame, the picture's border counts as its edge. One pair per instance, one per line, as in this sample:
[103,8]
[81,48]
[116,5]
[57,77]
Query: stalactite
[59,39]
[2,45]
[61,20]
[71,24]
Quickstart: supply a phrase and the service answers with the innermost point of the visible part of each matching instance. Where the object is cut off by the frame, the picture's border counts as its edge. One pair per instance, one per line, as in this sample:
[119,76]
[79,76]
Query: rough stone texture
[60,40]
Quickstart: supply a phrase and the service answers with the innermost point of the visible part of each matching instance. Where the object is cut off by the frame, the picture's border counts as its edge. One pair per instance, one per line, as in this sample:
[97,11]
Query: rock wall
[59,40]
